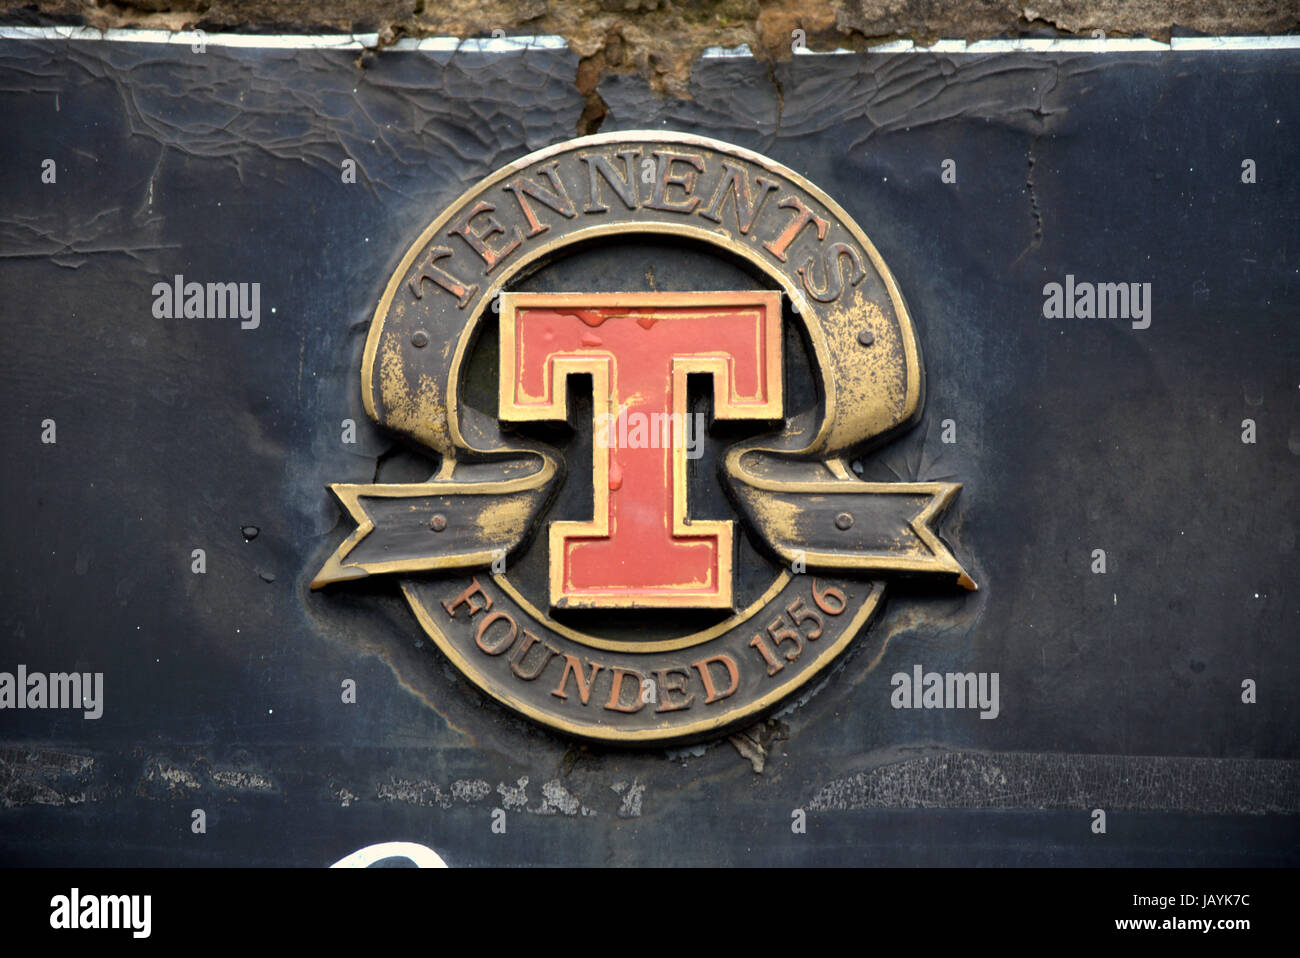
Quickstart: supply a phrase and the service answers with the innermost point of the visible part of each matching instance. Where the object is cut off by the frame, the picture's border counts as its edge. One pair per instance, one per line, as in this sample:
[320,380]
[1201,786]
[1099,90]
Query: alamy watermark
[76,911]
[1073,300]
[655,430]
[55,690]
[181,300]
[949,690]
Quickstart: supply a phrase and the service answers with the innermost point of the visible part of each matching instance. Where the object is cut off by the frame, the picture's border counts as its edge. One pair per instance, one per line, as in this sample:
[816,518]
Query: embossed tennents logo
[642,613]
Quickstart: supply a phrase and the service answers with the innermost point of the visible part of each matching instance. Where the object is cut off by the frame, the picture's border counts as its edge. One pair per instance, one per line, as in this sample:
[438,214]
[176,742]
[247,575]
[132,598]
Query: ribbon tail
[441,525]
[850,525]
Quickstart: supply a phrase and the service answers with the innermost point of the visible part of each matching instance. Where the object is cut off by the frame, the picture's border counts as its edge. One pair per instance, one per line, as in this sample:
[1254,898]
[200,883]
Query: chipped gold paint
[505,517]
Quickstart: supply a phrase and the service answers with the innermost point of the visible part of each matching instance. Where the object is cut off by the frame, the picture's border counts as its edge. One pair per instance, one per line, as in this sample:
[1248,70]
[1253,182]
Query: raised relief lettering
[641,548]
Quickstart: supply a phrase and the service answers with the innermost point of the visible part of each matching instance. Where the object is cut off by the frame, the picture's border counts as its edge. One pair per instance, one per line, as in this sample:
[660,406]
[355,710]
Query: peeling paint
[1036,780]
[175,778]
[470,791]
[244,781]
[632,794]
[39,776]
[558,799]
[514,798]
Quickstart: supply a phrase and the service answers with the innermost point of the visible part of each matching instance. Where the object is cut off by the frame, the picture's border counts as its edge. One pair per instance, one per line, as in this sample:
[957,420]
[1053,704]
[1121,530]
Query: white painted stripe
[482,45]
[338,41]
[1235,43]
[1068,45]
[361,41]
[723,53]
[1074,45]
[285,41]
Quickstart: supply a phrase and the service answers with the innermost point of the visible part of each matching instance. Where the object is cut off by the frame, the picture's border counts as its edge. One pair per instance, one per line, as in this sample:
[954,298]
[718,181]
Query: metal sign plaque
[823,537]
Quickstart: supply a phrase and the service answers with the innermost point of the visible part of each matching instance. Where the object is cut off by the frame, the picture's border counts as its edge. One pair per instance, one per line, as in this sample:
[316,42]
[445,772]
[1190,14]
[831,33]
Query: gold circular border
[911,352]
